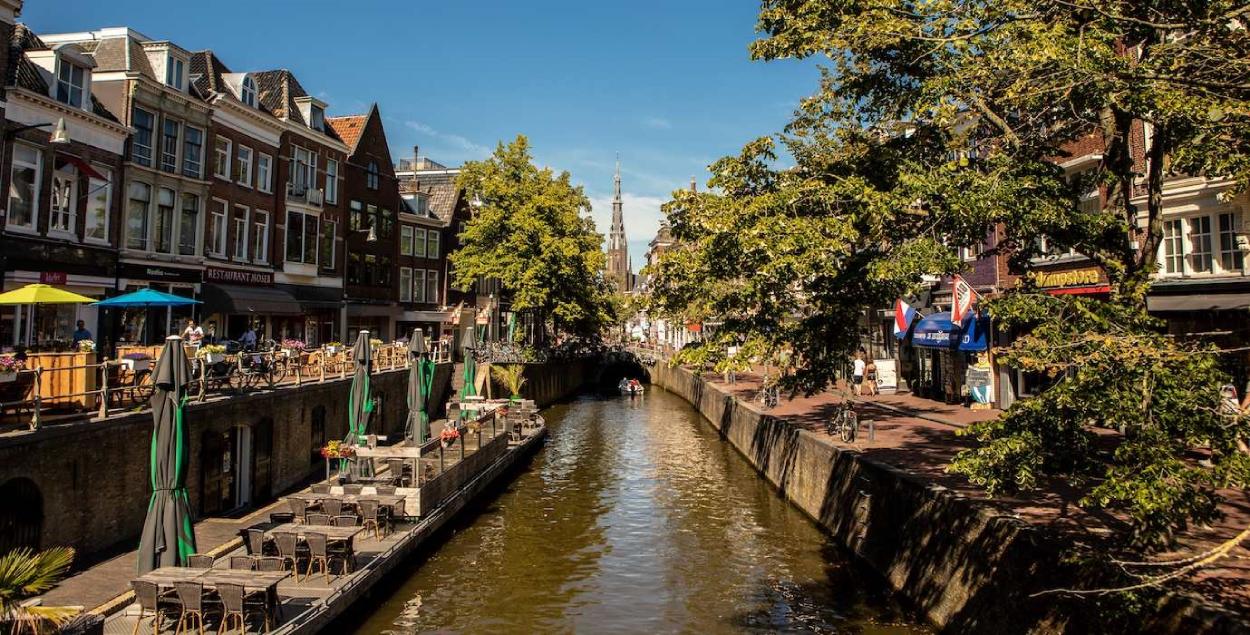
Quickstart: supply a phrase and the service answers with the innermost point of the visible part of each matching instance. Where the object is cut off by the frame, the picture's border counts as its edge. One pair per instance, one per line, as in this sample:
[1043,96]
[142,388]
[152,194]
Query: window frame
[329,236]
[418,282]
[1178,242]
[266,184]
[105,187]
[406,229]
[243,166]
[224,174]
[172,63]
[405,286]
[240,239]
[147,218]
[84,95]
[286,251]
[419,239]
[195,223]
[247,91]
[149,160]
[222,233]
[260,236]
[154,245]
[186,155]
[433,243]
[171,162]
[332,181]
[431,282]
[70,214]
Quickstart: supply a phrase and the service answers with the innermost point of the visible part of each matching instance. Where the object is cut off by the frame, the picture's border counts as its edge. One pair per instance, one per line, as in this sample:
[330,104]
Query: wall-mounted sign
[237,276]
[53,277]
[157,273]
[1085,276]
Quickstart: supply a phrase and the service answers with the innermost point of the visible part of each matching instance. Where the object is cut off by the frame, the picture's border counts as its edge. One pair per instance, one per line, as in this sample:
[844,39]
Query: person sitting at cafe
[248,340]
[193,334]
[82,333]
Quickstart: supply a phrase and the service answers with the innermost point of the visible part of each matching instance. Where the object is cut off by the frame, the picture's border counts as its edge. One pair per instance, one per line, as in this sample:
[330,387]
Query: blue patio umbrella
[145,298]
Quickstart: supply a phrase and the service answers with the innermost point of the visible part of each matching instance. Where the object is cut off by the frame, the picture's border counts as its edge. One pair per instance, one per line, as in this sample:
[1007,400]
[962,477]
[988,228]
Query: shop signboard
[53,277]
[159,273]
[887,375]
[238,276]
[979,380]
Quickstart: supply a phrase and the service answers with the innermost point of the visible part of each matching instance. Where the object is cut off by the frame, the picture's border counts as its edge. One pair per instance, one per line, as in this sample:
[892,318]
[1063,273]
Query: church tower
[618,248]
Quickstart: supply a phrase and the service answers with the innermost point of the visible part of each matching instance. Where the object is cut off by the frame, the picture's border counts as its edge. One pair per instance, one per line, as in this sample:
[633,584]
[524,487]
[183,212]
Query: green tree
[25,574]
[529,232]
[940,120]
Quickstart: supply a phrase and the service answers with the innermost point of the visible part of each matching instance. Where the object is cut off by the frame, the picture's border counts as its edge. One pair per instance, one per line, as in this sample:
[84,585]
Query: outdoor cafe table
[384,500]
[252,581]
[407,452]
[301,531]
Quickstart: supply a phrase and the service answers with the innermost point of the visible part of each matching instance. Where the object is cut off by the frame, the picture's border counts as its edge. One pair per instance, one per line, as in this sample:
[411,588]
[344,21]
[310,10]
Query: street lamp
[60,136]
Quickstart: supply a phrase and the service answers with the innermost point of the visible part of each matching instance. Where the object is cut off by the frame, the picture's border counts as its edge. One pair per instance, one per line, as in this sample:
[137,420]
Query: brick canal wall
[964,566]
[93,478]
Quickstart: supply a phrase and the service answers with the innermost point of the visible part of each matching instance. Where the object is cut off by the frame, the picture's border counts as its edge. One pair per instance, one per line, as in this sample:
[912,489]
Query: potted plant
[293,347]
[332,348]
[212,353]
[86,346]
[9,366]
[338,450]
[448,437]
[512,377]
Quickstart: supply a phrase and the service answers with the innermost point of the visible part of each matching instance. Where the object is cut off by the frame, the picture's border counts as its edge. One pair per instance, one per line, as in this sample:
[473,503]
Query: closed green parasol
[420,381]
[359,401]
[168,537]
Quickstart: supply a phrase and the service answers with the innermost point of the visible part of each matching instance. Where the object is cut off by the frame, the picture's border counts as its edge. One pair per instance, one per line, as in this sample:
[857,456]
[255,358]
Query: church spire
[618,248]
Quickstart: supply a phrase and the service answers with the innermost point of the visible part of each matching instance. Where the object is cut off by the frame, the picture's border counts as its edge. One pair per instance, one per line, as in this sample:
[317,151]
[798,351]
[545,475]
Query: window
[431,286]
[24,187]
[64,199]
[419,243]
[249,91]
[318,119]
[174,68]
[70,84]
[260,236]
[188,225]
[240,232]
[332,181]
[243,163]
[264,173]
[164,222]
[418,285]
[302,174]
[99,195]
[355,269]
[970,253]
[169,145]
[372,177]
[1200,244]
[329,231]
[1231,258]
[1173,249]
[221,163]
[431,250]
[356,216]
[301,237]
[382,274]
[387,227]
[405,240]
[215,238]
[141,144]
[192,152]
[405,284]
[138,204]
[371,216]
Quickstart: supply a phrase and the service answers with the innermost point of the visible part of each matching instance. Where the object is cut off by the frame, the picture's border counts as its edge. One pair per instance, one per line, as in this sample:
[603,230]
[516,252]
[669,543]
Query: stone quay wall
[965,567]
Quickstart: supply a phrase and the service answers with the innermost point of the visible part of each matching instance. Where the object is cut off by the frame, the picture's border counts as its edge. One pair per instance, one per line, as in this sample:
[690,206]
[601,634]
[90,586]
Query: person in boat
[635,385]
[623,386]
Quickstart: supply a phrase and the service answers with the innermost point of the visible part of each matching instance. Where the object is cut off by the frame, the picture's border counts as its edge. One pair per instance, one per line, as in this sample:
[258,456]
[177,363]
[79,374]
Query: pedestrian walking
[857,373]
[870,377]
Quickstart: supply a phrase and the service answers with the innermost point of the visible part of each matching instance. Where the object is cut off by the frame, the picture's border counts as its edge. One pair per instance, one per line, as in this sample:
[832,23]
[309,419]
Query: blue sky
[668,85]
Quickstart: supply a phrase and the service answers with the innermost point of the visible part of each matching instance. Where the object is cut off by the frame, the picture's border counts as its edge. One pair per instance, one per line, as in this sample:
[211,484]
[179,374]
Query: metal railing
[111,386]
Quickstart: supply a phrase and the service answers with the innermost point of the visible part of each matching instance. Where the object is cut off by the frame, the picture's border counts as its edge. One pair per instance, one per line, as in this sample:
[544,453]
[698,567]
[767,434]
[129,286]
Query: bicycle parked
[844,421]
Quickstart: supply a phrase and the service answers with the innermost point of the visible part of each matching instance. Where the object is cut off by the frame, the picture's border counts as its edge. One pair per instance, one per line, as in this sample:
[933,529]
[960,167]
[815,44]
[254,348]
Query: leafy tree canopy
[529,232]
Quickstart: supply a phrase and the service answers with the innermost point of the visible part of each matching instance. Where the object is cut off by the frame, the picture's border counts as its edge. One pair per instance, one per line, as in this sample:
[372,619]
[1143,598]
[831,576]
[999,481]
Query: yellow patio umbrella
[42,294]
[36,294]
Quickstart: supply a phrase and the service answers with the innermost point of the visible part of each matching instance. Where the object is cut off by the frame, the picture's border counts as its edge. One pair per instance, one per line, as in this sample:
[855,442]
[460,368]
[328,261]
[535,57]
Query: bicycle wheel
[277,372]
[847,426]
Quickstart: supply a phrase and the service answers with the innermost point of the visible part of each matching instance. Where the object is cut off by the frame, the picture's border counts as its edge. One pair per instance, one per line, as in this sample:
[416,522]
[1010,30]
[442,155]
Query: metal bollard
[104,389]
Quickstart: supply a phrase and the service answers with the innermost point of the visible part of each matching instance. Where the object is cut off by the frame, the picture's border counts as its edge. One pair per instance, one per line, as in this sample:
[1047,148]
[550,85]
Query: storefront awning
[233,299]
[937,331]
[1205,302]
[370,310]
[312,298]
[425,316]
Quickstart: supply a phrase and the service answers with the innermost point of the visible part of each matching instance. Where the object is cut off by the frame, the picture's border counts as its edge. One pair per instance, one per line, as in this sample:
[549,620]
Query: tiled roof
[207,70]
[349,128]
[110,54]
[440,187]
[25,74]
[275,94]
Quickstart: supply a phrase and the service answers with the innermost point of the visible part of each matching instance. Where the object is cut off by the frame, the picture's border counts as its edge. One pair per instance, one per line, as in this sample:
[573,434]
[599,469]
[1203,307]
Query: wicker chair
[288,546]
[317,554]
[386,490]
[279,518]
[398,513]
[152,601]
[191,596]
[399,470]
[343,551]
[236,607]
[345,520]
[200,561]
[320,488]
[317,519]
[271,563]
[256,542]
[353,489]
[244,563]
[332,506]
[299,507]
[369,516]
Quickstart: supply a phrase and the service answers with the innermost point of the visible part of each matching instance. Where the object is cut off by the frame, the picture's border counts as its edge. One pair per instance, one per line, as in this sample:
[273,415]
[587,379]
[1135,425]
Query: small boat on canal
[630,387]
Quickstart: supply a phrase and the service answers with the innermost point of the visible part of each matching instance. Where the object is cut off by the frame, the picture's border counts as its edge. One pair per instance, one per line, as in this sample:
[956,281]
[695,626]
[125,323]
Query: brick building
[61,224]
[372,239]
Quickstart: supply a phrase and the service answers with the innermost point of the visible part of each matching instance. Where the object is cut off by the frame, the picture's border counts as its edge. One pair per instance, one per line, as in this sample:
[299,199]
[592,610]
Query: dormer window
[71,81]
[175,68]
[317,120]
[248,92]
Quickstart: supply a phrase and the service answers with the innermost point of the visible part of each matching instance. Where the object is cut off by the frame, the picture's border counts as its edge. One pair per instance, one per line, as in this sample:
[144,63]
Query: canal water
[635,518]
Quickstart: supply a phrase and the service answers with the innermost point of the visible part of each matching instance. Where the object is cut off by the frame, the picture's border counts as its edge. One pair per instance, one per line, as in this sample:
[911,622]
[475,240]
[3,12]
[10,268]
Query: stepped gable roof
[349,128]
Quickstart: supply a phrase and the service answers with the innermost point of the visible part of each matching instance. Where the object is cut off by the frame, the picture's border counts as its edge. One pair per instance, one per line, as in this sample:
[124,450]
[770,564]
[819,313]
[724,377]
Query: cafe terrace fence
[75,387]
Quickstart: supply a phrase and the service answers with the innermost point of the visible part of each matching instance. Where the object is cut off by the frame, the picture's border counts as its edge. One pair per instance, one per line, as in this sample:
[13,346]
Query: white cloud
[659,123]
[453,140]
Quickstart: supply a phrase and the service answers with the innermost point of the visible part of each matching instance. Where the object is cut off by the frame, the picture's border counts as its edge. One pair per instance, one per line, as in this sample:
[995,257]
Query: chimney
[416,156]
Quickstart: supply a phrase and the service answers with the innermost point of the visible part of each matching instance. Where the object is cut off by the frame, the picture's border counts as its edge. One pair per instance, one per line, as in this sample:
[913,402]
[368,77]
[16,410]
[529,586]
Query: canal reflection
[635,518]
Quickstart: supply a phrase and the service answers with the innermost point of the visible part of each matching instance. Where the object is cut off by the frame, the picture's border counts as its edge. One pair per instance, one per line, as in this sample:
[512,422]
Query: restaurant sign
[53,277]
[155,273]
[1083,277]
[236,276]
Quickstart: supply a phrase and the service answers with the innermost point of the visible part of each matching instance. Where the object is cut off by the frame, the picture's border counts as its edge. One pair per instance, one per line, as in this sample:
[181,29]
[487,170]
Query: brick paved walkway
[919,436]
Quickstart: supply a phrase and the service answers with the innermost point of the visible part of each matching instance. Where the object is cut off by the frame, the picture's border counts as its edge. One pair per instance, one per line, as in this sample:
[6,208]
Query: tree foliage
[943,120]
[529,232]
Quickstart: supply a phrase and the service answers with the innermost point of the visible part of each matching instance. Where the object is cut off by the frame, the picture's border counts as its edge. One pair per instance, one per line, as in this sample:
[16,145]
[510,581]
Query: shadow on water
[634,518]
